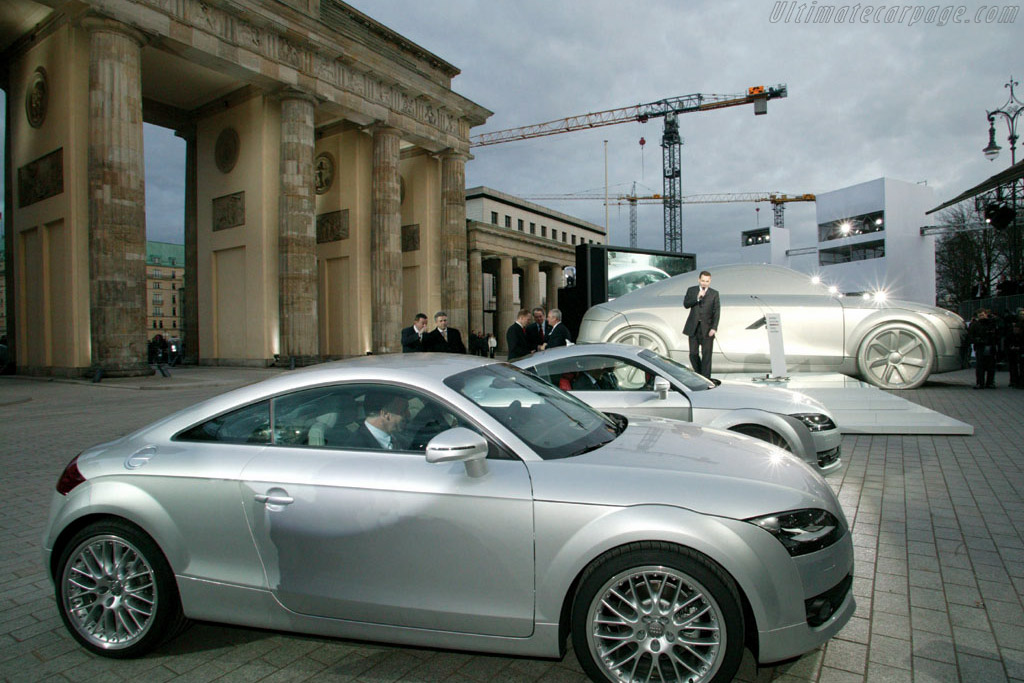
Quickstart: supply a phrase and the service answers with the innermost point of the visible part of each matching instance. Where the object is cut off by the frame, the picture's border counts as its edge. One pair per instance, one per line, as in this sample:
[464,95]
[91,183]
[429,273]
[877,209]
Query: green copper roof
[165,254]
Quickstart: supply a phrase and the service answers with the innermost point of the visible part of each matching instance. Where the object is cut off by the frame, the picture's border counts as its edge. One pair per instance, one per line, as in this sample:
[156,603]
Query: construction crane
[778,201]
[671,142]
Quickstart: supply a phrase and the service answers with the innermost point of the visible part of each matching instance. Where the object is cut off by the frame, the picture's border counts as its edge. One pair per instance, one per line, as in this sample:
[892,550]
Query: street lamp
[1010,113]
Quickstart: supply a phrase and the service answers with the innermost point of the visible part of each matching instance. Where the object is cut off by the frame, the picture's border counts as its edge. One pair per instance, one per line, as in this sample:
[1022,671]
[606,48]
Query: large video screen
[629,271]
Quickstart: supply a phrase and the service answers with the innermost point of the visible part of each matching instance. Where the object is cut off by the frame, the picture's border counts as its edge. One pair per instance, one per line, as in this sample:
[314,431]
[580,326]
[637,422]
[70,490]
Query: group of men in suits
[442,339]
[546,331]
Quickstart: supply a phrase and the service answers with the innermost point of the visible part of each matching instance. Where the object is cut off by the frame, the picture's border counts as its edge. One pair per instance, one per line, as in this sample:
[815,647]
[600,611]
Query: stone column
[297,276]
[453,240]
[531,283]
[117,200]
[554,273]
[190,297]
[476,291]
[386,242]
[504,315]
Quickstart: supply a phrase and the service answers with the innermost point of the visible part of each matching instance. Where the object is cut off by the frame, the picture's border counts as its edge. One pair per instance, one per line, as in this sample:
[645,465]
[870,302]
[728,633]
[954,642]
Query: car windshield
[550,421]
[677,371]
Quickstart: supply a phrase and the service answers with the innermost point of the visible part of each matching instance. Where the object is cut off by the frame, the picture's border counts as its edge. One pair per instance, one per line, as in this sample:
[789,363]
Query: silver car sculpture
[891,344]
[508,515]
[630,380]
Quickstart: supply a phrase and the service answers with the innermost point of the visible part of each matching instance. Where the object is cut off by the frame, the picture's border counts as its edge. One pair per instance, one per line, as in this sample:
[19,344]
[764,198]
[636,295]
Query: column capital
[293,93]
[381,128]
[451,154]
[95,23]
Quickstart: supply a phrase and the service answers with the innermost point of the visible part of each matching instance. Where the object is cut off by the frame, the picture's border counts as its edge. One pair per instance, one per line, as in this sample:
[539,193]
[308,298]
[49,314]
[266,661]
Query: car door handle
[273,499]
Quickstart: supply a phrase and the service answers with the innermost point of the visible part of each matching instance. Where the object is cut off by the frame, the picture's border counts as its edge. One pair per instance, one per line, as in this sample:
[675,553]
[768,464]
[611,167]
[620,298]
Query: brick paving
[938,530]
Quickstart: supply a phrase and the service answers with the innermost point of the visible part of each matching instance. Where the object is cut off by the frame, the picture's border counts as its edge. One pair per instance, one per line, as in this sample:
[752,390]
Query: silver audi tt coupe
[891,344]
[448,501]
[619,378]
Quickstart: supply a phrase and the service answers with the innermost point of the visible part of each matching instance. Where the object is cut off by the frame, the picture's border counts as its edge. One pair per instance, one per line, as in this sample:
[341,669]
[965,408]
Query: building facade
[867,238]
[165,278]
[518,253]
[324,184]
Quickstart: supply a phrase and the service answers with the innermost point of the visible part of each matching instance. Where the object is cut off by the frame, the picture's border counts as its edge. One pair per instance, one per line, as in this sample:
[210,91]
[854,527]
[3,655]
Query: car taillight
[69,478]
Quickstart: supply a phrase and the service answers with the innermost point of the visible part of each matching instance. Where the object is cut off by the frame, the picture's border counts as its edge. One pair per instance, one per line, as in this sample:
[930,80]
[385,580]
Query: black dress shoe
[977,386]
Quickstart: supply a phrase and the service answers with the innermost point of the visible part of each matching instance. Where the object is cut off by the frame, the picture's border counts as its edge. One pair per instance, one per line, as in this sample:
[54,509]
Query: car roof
[576,350]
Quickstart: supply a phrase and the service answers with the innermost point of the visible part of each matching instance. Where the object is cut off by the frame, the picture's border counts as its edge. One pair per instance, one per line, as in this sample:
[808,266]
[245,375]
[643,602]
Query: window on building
[154,324]
[533,228]
[574,239]
[852,226]
[174,299]
[158,311]
[554,234]
[852,252]
[508,221]
[494,217]
[520,225]
[174,311]
[161,324]
[174,285]
[751,238]
[156,285]
[157,273]
[543,231]
[563,237]
[174,324]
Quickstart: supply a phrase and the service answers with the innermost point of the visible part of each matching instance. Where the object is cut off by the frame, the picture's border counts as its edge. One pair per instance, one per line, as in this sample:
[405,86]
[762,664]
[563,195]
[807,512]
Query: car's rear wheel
[657,612]
[116,592]
[895,356]
[764,434]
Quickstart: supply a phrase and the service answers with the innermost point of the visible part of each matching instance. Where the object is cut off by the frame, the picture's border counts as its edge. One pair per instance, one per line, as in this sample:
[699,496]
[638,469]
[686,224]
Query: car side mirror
[460,445]
[662,386]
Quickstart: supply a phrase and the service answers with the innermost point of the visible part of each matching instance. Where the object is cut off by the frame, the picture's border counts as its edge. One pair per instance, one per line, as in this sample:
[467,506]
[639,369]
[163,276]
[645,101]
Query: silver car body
[729,405]
[384,545]
[892,344]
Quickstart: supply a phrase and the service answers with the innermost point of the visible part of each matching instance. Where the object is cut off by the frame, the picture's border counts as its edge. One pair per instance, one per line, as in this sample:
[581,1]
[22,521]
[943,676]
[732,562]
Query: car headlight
[816,422]
[802,531]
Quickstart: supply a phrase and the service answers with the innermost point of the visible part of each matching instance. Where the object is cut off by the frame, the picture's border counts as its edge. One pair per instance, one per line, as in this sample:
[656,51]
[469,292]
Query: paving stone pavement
[938,530]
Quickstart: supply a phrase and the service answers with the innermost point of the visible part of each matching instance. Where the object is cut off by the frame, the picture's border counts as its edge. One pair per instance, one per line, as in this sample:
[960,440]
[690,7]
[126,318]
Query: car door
[613,384]
[812,330]
[347,530]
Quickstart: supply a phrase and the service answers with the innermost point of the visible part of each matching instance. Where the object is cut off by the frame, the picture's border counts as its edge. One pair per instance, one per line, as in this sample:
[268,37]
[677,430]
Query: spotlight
[845,227]
[815,280]
[833,290]
[880,296]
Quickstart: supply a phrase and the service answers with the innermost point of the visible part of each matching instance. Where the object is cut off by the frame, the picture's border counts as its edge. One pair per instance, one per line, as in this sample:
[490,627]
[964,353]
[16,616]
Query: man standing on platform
[412,336]
[702,323]
[442,338]
[515,337]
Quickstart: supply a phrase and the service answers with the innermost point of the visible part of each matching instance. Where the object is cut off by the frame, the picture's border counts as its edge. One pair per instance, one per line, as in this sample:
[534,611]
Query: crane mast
[671,142]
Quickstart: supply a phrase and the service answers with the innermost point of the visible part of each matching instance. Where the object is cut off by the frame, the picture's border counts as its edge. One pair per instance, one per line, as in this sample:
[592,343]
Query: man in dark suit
[559,334]
[702,323]
[442,338]
[412,336]
[537,331]
[385,415]
[515,336]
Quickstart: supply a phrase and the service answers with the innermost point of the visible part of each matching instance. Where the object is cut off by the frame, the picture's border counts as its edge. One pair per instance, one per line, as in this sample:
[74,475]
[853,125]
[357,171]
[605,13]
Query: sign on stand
[776,352]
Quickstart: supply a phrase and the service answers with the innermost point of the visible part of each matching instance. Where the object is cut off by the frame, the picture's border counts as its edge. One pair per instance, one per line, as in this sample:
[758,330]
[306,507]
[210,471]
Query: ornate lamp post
[1010,113]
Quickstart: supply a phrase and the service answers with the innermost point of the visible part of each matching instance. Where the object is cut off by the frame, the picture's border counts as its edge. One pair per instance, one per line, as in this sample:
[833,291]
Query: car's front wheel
[115,591]
[895,356]
[657,612]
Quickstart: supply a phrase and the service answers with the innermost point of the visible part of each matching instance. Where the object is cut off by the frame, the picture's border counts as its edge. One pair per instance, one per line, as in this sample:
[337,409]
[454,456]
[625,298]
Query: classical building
[518,251]
[165,278]
[324,185]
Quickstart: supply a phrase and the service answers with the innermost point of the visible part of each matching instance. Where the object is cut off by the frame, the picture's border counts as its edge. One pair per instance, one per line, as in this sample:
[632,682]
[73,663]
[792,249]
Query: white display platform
[861,408]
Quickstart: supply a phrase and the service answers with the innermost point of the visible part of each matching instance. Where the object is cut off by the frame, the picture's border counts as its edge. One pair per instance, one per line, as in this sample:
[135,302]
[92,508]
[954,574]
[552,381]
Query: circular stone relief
[226,150]
[323,172]
[37,98]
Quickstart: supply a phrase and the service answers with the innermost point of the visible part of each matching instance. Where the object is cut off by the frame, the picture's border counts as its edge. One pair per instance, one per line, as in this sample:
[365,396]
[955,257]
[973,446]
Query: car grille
[826,458]
[820,608]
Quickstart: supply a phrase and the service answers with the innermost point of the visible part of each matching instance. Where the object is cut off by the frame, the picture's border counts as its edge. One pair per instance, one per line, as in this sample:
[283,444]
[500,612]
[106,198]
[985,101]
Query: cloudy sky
[902,99]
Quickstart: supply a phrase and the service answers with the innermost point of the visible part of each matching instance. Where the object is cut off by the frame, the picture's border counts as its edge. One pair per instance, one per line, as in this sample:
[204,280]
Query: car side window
[250,424]
[362,417]
[596,373]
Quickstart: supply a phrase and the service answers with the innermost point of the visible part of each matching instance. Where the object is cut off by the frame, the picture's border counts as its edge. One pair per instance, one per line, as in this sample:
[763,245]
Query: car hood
[666,462]
[731,395]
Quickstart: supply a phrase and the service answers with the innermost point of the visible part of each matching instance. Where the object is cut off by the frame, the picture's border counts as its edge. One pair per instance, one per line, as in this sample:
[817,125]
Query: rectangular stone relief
[331,227]
[228,211]
[411,237]
[41,179]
